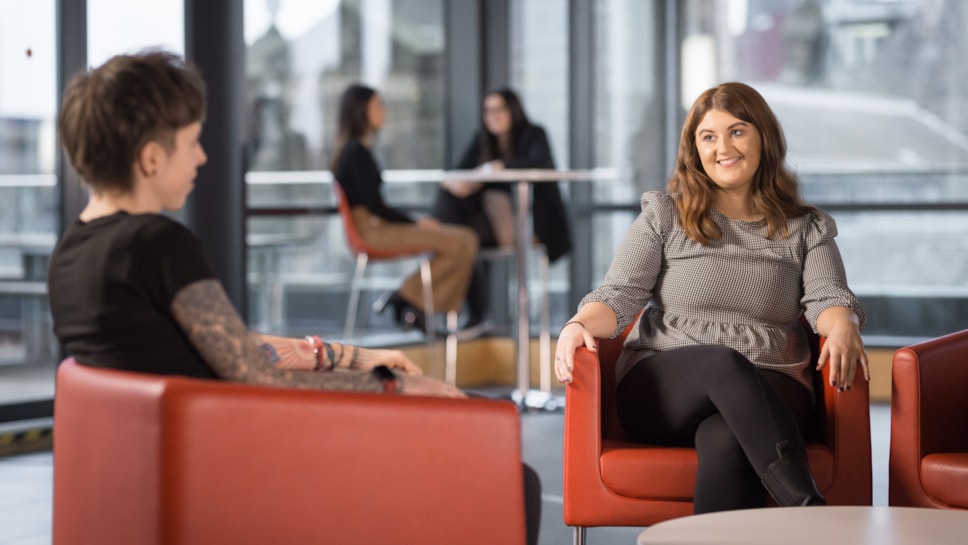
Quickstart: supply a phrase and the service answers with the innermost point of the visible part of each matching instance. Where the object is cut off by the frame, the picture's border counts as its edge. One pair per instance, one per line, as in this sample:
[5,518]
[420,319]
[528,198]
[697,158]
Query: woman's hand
[843,349]
[462,189]
[495,165]
[366,359]
[572,336]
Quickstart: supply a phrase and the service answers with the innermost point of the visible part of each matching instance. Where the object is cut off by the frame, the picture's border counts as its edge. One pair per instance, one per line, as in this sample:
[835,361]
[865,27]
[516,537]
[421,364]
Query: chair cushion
[649,472]
[669,473]
[944,477]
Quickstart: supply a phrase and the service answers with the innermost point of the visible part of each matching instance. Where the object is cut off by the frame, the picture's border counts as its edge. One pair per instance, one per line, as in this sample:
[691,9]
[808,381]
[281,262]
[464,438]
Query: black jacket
[550,218]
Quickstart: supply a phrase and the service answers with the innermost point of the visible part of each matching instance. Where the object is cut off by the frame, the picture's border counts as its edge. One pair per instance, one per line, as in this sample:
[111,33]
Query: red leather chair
[611,481]
[929,417]
[364,253]
[164,460]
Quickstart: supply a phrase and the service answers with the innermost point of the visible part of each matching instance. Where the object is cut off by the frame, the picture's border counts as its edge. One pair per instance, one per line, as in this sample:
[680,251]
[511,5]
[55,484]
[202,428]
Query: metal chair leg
[544,337]
[580,535]
[450,349]
[428,299]
[354,302]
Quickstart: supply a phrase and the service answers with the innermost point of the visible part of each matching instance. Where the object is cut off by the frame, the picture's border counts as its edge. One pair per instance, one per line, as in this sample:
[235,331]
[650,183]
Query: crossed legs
[737,417]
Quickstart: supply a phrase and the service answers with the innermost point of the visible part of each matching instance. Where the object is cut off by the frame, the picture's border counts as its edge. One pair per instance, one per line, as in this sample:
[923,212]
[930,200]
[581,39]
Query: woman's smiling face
[729,149]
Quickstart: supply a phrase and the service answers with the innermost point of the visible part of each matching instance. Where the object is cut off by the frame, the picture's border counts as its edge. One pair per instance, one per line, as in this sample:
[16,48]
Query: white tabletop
[526,175]
[830,525]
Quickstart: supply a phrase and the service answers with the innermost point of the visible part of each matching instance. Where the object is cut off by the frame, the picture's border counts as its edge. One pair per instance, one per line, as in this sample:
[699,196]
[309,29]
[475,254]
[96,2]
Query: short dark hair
[109,113]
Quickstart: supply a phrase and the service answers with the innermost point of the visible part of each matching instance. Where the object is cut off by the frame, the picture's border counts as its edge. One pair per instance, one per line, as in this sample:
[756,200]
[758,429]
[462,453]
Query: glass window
[28,198]
[539,67]
[629,117]
[119,26]
[871,95]
[300,57]
[539,72]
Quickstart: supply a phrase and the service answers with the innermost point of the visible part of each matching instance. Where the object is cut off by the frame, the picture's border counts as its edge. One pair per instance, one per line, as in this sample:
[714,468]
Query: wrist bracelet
[339,359]
[574,322]
[317,345]
[329,354]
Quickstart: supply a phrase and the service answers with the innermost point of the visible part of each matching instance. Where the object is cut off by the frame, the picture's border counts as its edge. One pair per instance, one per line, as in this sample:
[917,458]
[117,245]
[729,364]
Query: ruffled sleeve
[824,277]
[631,278]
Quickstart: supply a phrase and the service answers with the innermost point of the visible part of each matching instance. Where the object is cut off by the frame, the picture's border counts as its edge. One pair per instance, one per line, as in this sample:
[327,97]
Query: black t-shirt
[110,285]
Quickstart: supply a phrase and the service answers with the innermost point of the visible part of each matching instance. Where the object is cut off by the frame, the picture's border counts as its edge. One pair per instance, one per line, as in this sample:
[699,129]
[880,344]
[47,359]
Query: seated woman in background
[361,115]
[725,264]
[131,289]
[506,139]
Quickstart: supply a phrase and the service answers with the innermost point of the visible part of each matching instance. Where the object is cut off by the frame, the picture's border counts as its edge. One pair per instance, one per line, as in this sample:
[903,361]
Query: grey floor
[25,485]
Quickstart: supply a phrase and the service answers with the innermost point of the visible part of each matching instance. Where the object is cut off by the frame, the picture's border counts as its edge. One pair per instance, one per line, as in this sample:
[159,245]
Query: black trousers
[714,399]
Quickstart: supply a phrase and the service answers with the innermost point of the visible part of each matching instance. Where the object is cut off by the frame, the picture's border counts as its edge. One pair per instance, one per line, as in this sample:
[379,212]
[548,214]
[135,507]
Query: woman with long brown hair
[722,267]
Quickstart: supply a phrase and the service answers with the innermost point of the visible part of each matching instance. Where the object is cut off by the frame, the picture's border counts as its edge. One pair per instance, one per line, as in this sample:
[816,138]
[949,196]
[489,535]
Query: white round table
[829,525]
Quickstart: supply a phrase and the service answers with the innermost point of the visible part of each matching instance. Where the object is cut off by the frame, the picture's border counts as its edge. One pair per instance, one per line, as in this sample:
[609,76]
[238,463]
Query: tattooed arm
[297,354]
[214,328]
[204,312]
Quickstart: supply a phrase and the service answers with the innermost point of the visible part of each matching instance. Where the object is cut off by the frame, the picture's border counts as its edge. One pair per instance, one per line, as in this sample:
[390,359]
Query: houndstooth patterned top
[743,291]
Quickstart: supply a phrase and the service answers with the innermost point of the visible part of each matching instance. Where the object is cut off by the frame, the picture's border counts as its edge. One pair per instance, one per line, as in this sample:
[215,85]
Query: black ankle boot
[406,315]
[789,481]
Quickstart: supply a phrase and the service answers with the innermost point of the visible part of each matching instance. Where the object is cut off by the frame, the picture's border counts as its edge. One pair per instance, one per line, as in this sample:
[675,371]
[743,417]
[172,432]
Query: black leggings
[714,399]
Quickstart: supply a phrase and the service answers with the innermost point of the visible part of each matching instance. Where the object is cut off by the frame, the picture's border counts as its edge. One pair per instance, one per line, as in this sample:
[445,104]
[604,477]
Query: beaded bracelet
[317,345]
[339,359]
[330,354]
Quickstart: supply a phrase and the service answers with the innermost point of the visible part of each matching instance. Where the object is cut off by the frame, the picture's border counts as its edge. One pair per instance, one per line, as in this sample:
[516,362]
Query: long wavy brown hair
[775,190]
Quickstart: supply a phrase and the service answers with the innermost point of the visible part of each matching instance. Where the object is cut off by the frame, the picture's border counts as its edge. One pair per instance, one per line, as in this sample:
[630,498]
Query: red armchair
[610,481]
[929,445]
[155,460]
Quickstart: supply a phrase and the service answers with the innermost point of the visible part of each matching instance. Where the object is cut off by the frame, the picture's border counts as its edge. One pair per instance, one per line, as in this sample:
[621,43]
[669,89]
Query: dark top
[358,175]
[532,151]
[111,284]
